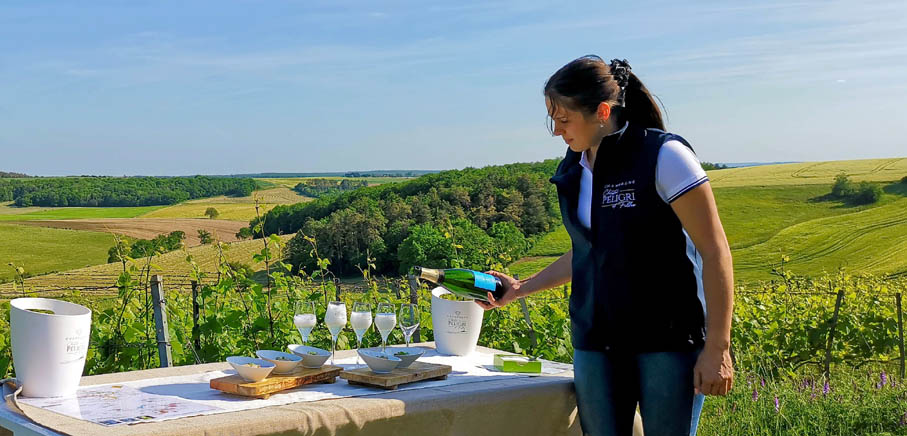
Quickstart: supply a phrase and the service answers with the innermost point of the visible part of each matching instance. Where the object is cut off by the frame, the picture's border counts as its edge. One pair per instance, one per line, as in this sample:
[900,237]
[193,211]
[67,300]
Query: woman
[650,265]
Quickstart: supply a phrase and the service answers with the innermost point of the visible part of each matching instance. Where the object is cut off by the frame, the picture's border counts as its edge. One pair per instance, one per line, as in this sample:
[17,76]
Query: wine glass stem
[358,346]
[333,347]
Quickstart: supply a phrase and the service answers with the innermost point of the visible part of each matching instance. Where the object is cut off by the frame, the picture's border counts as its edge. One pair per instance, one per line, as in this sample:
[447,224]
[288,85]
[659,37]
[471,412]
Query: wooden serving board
[234,384]
[417,371]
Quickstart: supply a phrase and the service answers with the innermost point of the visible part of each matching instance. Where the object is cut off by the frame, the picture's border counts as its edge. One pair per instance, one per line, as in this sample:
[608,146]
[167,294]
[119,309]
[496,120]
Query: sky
[226,87]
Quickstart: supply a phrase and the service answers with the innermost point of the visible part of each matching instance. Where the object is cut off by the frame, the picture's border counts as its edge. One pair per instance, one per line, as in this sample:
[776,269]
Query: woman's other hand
[714,372]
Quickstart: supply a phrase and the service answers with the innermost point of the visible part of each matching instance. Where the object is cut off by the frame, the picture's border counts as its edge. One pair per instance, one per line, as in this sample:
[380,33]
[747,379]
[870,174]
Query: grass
[528,266]
[764,222]
[811,173]
[172,266]
[226,211]
[9,208]
[867,241]
[230,208]
[857,403]
[8,213]
[555,243]
[753,214]
[42,250]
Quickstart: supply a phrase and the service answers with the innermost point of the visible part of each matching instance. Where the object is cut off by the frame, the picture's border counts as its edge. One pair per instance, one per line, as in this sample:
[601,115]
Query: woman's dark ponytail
[640,108]
[584,83]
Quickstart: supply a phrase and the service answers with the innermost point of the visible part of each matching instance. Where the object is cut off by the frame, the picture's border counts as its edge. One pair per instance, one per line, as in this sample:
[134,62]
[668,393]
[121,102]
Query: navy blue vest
[634,288]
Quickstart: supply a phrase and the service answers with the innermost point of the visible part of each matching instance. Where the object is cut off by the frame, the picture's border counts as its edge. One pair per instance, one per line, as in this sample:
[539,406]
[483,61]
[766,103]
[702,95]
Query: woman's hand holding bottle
[511,292]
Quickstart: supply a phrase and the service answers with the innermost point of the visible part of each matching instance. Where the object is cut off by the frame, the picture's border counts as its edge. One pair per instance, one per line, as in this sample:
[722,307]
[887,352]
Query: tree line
[119,191]
[136,248]
[8,175]
[320,187]
[462,218]
[709,166]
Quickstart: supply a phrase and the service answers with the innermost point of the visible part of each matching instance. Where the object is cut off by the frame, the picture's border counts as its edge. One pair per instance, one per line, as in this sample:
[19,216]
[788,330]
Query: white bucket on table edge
[48,350]
[456,324]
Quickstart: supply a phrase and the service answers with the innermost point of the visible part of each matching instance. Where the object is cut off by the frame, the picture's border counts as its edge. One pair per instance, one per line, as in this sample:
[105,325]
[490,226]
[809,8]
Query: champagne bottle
[465,283]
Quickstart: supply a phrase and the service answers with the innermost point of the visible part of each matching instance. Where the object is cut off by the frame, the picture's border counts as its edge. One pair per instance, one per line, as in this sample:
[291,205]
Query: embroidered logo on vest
[619,195]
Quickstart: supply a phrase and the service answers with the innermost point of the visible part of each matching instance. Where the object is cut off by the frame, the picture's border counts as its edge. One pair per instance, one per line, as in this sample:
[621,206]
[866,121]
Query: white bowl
[378,361]
[251,373]
[285,362]
[312,357]
[412,353]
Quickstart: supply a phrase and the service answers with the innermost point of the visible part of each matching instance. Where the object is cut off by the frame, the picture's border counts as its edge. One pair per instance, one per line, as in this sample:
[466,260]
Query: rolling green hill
[12,213]
[40,250]
[784,209]
[767,211]
[867,241]
[811,173]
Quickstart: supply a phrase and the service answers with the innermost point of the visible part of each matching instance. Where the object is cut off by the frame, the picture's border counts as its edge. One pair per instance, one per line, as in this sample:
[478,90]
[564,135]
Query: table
[543,405]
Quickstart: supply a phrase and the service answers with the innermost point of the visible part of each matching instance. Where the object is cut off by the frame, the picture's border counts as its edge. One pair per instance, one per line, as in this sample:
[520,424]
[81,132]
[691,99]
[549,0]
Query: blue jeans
[609,386]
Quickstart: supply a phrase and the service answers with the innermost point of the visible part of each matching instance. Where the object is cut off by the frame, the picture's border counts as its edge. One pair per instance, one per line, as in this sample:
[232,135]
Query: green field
[790,214]
[767,211]
[811,173]
[172,265]
[869,241]
[751,215]
[43,250]
[230,208]
[8,213]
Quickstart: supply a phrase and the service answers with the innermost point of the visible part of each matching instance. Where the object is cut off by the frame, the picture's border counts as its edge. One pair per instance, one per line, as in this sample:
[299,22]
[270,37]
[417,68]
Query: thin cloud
[816,48]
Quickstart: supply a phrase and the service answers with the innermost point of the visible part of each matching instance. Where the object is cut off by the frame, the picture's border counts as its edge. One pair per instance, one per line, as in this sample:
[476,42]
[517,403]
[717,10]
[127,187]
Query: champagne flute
[409,320]
[305,319]
[335,319]
[361,320]
[385,321]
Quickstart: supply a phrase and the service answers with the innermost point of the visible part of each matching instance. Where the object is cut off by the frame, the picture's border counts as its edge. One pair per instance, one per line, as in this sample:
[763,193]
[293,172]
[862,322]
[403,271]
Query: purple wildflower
[879,385]
[777,405]
[826,388]
[884,378]
[763,382]
[812,396]
[755,394]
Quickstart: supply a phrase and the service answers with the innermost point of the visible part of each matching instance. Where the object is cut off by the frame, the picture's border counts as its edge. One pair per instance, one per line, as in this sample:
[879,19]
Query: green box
[517,363]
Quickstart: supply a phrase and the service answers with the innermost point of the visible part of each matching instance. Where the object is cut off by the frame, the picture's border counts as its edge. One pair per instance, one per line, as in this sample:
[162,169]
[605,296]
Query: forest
[118,191]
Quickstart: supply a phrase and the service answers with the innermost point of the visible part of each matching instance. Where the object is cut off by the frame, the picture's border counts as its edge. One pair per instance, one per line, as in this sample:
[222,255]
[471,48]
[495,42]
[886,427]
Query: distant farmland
[173,267]
[767,211]
[230,208]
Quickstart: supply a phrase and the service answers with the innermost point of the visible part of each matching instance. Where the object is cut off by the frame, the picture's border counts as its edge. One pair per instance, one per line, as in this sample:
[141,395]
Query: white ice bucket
[456,324]
[49,349]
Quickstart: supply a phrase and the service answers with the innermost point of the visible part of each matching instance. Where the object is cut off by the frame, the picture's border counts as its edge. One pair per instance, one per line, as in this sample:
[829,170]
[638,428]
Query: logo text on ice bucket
[456,323]
[619,195]
[77,343]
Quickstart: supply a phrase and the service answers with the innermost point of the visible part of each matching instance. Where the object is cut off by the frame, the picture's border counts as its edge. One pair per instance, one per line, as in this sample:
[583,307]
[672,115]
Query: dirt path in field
[148,228]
